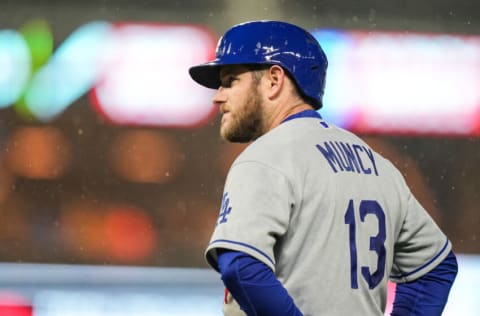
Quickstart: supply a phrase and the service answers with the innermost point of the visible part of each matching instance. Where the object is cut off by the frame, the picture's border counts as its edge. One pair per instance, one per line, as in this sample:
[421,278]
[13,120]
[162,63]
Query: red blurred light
[129,233]
[12,304]
[145,78]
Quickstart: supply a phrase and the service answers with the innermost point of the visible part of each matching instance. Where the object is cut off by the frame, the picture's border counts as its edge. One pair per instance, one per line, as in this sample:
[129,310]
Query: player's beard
[247,123]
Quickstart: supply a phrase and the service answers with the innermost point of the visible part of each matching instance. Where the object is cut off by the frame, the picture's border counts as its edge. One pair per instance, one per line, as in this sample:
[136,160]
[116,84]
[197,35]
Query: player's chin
[226,124]
[235,136]
[225,132]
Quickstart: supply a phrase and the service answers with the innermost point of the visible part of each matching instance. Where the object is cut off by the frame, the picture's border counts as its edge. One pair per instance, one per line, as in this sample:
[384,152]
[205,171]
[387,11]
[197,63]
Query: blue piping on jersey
[421,267]
[245,245]
[306,113]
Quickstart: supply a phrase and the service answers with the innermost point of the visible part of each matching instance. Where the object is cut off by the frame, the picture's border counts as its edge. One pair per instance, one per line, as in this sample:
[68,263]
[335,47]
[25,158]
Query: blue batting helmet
[270,43]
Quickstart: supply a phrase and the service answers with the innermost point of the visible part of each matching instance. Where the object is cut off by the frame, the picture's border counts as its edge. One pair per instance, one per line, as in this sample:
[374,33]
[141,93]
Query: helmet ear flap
[270,43]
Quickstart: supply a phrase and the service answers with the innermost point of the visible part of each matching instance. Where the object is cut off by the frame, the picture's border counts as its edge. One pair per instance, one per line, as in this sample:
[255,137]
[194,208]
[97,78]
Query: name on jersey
[348,157]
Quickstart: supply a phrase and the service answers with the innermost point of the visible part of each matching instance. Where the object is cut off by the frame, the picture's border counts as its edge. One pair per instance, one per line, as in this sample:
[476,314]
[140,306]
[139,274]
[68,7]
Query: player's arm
[427,295]
[254,285]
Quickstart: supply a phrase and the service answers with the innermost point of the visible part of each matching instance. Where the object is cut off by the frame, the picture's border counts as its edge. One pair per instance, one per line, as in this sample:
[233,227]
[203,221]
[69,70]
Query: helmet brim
[207,75]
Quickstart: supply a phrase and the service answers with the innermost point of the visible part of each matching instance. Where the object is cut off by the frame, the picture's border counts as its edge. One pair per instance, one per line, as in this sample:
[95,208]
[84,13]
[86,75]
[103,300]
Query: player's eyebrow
[226,71]
[233,70]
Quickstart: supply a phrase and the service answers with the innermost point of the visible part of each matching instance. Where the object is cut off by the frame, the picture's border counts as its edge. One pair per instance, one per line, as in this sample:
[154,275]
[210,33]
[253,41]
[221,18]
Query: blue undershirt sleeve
[254,286]
[426,296]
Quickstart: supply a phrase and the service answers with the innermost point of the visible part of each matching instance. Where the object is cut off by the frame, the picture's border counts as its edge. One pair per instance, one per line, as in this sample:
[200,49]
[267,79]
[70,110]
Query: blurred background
[110,154]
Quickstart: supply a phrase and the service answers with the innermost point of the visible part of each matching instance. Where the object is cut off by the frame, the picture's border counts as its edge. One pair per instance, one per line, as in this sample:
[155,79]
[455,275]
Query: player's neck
[287,111]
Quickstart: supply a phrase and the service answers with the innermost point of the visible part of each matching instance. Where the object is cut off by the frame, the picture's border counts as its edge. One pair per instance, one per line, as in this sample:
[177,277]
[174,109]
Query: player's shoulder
[278,143]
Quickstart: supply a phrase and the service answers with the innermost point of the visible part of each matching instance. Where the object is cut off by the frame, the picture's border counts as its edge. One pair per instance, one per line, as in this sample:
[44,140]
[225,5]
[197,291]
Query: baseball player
[312,220]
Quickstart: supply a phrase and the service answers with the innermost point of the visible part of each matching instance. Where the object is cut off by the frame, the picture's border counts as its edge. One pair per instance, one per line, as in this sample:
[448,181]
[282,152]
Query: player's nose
[220,97]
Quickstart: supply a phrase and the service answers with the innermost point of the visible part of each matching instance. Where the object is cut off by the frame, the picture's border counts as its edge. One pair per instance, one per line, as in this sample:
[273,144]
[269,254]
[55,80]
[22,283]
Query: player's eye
[227,81]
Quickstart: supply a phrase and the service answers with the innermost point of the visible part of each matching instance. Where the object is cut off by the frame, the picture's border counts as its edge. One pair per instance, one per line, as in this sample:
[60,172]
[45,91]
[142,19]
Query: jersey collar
[306,113]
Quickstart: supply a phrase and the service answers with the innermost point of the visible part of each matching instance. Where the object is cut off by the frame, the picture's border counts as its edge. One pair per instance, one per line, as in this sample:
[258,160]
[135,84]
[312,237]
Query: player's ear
[276,79]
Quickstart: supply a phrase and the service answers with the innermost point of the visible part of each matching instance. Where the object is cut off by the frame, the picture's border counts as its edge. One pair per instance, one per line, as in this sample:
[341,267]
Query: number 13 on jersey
[377,243]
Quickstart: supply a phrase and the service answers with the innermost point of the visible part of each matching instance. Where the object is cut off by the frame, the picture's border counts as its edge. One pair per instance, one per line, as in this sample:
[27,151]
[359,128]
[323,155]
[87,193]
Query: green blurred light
[39,38]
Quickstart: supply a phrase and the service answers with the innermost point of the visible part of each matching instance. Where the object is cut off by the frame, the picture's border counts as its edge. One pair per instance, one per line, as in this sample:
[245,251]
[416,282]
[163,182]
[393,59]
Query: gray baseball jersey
[331,217]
